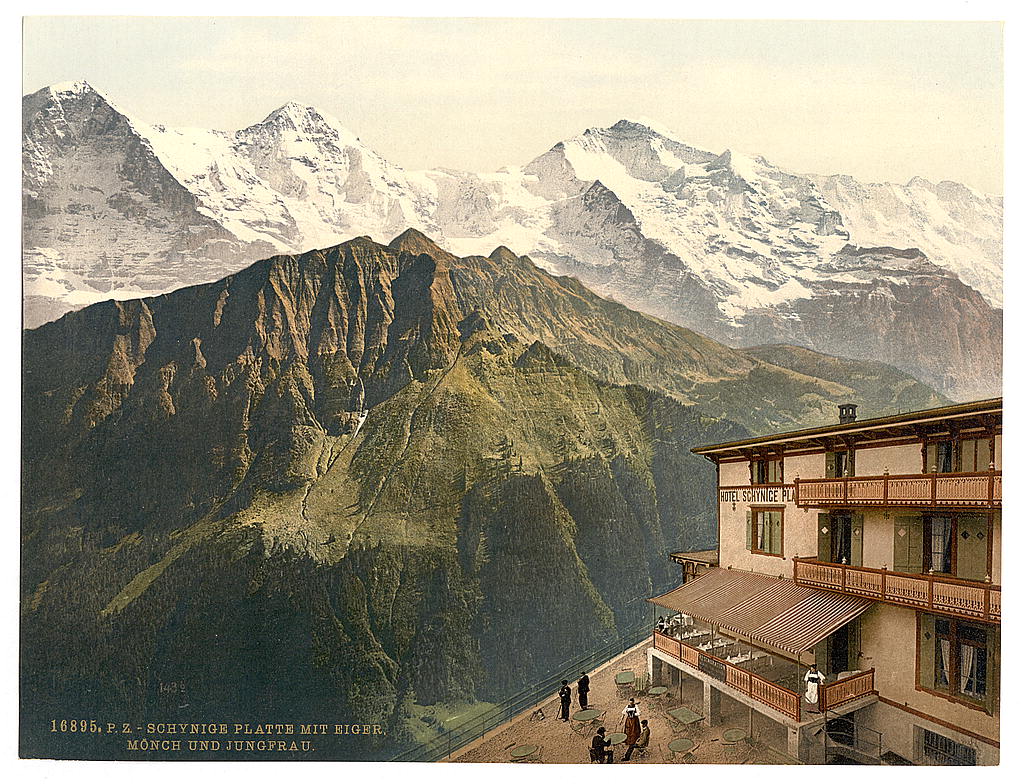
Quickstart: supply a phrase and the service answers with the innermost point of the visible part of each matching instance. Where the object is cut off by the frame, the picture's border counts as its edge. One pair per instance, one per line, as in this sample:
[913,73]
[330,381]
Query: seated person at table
[661,623]
[641,742]
[599,747]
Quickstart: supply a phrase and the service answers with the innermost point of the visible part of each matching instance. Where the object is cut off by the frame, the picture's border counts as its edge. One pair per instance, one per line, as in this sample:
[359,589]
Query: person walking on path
[641,742]
[565,695]
[632,723]
[583,690]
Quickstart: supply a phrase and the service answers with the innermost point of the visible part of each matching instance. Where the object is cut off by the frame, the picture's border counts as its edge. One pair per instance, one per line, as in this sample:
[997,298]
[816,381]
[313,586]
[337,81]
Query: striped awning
[770,610]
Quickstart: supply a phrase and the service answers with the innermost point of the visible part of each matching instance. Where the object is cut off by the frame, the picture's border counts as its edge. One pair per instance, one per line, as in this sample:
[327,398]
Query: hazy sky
[878,100]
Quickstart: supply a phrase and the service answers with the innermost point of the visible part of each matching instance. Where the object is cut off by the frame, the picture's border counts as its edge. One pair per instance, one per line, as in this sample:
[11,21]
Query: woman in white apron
[812,679]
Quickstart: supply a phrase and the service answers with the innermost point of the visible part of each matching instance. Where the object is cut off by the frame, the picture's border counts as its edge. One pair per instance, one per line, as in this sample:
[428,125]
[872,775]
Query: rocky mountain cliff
[727,243]
[333,486]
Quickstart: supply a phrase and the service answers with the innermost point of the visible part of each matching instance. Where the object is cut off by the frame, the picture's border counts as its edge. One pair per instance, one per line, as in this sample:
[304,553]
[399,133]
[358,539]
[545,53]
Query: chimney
[847,413]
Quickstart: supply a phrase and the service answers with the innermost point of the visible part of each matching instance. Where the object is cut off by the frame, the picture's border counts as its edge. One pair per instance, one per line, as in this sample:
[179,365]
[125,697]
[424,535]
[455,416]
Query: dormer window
[766,471]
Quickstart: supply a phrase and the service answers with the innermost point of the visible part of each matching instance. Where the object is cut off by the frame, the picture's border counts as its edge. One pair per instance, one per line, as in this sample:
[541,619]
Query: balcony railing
[785,701]
[937,593]
[974,489]
[850,688]
[779,698]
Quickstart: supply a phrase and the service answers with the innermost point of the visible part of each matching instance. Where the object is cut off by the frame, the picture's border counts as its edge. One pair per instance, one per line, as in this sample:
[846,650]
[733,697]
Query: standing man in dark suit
[565,695]
[583,689]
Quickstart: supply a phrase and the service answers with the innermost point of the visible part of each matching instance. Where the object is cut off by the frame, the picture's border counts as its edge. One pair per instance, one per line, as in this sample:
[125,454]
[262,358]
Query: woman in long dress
[632,723]
[812,679]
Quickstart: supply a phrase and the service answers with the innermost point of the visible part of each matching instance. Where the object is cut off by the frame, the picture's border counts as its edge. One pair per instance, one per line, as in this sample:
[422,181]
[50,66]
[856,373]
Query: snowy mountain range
[724,243]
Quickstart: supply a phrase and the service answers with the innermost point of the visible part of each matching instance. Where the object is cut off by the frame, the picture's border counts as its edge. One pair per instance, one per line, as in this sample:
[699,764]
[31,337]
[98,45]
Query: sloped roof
[769,610]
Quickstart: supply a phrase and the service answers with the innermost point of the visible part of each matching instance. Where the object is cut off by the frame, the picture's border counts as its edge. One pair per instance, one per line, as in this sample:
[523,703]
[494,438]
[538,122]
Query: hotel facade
[870,549]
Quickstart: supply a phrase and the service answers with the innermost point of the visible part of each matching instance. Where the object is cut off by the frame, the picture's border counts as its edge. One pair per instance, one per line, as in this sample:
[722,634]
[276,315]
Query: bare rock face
[99,207]
[337,483]
[726,243]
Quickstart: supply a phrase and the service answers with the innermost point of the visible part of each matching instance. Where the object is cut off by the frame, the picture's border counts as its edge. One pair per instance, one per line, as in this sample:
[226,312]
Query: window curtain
[942,529]
[841,530]
[968,670]
[942,675]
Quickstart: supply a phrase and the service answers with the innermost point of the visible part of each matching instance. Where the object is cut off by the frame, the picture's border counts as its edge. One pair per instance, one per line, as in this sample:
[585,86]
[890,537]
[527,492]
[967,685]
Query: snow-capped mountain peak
[71,88]
[726,242]
[306,120]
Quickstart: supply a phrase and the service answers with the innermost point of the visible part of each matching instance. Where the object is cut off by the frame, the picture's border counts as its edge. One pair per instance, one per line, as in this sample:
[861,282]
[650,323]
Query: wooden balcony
[852,687]
[980,490]
[779,698]
[935,593]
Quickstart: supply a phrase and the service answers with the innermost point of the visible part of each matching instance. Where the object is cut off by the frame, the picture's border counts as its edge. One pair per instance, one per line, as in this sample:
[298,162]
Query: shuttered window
[839,464]
[975,454]
[957,657]
[766,531]
[967,455]
[766,472]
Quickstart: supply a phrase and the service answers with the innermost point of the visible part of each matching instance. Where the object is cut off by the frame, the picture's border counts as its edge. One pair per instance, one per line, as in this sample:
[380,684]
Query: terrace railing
[781,699]
[982,490]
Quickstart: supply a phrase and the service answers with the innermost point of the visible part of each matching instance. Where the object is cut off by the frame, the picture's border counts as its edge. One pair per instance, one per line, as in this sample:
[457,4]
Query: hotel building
[870,549]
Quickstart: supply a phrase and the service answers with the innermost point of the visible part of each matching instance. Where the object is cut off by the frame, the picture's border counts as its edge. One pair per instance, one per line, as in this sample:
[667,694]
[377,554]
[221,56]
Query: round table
[680,745]
[617,737]
[586,715]
[733,734]
[522,752]
[657,691]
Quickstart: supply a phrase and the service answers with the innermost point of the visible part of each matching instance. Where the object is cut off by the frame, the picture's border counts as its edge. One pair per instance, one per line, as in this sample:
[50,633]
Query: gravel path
[560,744]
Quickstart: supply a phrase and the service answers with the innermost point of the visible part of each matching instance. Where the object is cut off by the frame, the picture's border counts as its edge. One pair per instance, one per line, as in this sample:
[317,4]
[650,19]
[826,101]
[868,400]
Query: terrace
[762,676]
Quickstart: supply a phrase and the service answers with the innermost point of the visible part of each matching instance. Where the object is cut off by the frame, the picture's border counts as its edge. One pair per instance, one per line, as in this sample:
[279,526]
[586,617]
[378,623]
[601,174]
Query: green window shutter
[852,470]
[967,454]
[824,537]
[776,548]
[972,545]
[902,532]
[984,454]
[916,549]
[992,670]
[926,651]
[857,540]
[854,640]
[750,526]
[931,459]
[830,465]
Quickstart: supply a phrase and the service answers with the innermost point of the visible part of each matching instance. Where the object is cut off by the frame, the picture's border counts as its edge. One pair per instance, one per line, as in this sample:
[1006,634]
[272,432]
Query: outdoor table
[582,719]
[733,735]
[520,753]
[617,737]
[657,691]
[684,715]
[680,745]
[625,678]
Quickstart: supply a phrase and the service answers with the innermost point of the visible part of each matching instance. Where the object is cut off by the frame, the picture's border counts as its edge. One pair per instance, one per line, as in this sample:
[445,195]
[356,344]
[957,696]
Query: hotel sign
[757,495]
